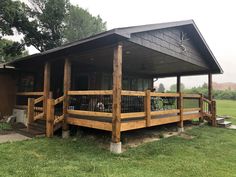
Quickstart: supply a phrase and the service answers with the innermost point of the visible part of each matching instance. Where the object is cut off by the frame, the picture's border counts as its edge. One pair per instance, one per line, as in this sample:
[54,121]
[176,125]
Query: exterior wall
[7,93]
[175,42]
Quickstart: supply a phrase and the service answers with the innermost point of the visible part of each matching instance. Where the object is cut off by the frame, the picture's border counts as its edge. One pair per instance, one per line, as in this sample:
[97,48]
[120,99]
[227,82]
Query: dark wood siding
[7,93]
[168,41]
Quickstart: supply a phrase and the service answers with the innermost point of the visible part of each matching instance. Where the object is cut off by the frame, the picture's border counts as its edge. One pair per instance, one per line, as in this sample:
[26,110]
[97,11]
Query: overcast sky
[214,18]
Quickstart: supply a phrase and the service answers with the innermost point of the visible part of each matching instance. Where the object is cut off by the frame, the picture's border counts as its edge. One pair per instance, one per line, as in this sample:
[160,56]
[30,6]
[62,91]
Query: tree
[46,24]
[12,17]
[161,88]
[9,50]
[79,23]
[173,87]
[205,85]
[46,29]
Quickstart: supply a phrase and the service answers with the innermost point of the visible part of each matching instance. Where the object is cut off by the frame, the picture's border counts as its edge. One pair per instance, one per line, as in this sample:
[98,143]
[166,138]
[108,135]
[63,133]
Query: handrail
[91,92]
[164,94]
[37,100]
[132,93]
[206,100]
[190,95]
[59,100]
[29,93]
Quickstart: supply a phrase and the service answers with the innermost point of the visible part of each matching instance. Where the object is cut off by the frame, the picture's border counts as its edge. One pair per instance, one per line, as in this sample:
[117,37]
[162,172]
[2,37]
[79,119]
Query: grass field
[211,153]
[227,107]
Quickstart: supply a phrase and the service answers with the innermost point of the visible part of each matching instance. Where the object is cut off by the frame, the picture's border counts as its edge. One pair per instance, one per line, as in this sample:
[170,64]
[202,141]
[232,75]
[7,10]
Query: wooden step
[220,120]
[225,124]
[30,132]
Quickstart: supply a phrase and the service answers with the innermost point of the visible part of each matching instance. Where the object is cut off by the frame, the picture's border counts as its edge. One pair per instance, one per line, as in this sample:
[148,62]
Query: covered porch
[106,82]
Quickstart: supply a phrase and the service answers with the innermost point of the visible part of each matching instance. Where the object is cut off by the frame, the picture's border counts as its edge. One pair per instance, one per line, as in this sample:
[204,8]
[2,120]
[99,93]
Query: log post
[50,118]
[116,104]
[181,107]
[210,86]
[67,85]
[180,104]
[201,107]
[213,112]
[178,84]
[30,110]
[148,108]
[46,85]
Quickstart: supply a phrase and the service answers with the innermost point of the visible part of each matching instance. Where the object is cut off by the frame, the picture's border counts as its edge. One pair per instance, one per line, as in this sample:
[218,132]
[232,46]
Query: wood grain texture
[91,92]
[50,117]
[66,88]
[90,123]
[117,87]
[46,85]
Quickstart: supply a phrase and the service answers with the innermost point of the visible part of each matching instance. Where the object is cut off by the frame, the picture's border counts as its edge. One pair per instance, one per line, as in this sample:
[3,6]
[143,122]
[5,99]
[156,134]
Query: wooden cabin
[105,81]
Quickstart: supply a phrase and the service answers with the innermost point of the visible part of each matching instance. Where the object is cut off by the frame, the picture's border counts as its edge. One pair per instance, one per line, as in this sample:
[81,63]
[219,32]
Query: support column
[115,146]
[46,86]
[210,86]
[67,85]
[178,84]
[180,105]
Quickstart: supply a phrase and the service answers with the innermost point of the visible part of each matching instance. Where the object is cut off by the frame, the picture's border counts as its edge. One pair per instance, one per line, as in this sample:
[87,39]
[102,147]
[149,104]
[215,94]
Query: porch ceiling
[137,60]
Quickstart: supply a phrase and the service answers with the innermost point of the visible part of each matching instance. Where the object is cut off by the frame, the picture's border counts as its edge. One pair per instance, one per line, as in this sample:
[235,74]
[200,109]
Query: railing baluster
[50,117]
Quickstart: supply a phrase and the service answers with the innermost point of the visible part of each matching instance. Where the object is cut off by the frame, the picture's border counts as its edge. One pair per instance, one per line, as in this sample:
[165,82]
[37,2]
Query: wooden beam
[132,115]
[213,112]
[90,113]
[132,125]
[165,120]
[132,93]
[201,106]
[117,87]
[164,112]
[67,85]
[46,85]
[210,86]
[30,110]
[189,95]
[90,123]
[191,116]
[178,84]
[181,107]
[50,117]
[148,108]
[91,92]
[191,109]
[164,94]
[29,93]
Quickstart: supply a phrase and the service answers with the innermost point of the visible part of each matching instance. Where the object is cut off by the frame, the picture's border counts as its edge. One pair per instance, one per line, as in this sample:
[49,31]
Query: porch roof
[131,38]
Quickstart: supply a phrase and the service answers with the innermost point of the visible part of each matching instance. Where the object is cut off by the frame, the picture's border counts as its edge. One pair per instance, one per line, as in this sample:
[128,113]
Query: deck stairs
[36,129]
[221,122]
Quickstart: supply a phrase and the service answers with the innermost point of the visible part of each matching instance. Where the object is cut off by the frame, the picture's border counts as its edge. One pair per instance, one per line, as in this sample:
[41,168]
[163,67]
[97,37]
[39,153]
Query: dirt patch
[186,136]
[12,137]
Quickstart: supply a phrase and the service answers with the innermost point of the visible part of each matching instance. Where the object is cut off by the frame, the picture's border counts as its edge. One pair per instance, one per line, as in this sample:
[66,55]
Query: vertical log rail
[201,107]
[117,86]
[67,84]
[213,113]
[50,117]
[181,107]
[148,108]
[46,86]
[30,110]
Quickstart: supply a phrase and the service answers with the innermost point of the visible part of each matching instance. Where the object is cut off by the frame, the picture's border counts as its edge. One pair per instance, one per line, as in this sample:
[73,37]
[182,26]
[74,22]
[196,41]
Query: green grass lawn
[227,107]
[211,153]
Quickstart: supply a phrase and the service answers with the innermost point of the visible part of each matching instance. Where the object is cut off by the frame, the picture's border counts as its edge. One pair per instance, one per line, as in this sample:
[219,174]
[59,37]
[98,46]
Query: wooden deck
[151,116]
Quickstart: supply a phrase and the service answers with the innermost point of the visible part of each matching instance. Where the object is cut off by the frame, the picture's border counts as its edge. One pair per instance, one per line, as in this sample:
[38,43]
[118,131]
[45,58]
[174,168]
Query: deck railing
[139,109]
[32,102]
